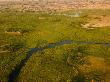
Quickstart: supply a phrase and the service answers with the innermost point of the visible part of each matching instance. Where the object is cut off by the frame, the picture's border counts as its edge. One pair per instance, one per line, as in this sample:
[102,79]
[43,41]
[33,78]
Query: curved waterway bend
[13,76]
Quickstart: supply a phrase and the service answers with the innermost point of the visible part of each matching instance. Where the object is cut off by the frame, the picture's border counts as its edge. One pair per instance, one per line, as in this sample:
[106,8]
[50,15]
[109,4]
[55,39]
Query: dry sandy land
[98,21]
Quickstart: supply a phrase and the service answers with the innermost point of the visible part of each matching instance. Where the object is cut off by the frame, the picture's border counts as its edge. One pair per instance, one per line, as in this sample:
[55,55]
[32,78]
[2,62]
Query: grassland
[68,63]
[21,31]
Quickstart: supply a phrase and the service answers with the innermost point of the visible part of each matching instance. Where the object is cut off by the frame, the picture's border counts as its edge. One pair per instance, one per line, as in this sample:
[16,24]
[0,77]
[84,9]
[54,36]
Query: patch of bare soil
[100,21]
[97,21]
[13,33]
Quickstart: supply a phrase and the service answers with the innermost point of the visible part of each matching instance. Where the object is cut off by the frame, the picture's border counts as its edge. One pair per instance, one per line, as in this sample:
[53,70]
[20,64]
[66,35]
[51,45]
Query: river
[15,73]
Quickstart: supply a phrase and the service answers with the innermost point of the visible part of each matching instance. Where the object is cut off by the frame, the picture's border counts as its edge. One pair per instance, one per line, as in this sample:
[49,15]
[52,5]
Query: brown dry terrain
[101,21]
[98,21]
[54,5]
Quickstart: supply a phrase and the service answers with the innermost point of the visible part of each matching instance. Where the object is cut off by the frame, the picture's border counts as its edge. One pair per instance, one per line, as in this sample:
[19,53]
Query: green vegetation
[21,31]
[68,63]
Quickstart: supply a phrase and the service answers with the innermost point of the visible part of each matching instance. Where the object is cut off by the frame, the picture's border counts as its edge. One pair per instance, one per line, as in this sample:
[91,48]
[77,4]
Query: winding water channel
[15,73]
